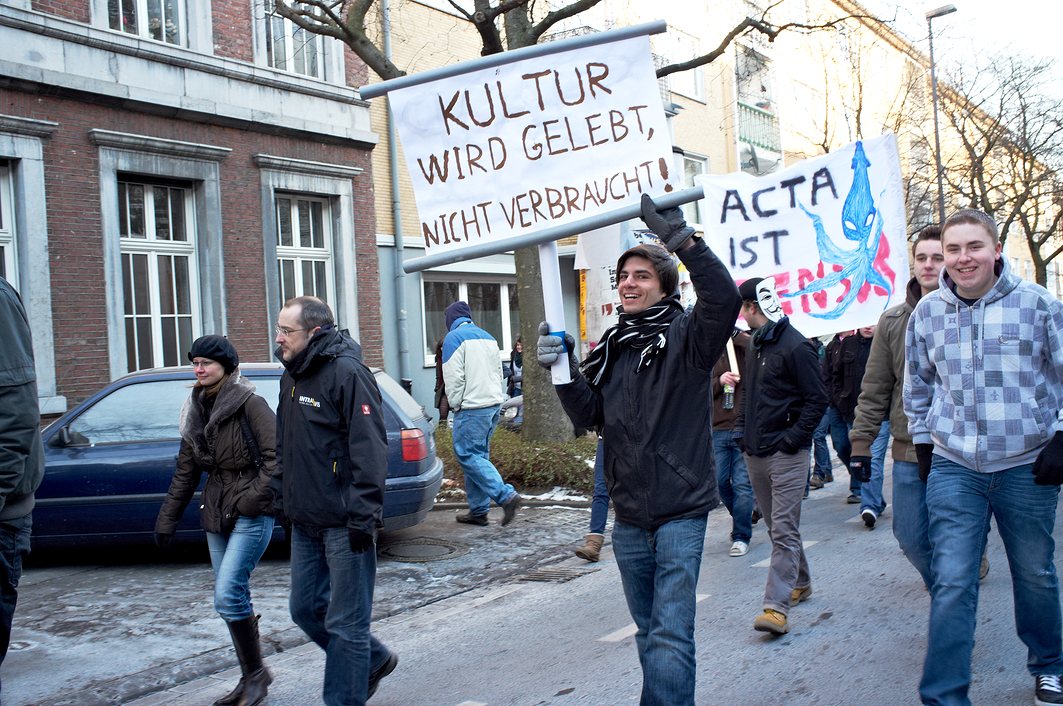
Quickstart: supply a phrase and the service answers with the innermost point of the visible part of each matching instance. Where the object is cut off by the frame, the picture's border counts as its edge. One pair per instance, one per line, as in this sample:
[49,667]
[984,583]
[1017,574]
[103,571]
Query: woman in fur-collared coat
[230,433]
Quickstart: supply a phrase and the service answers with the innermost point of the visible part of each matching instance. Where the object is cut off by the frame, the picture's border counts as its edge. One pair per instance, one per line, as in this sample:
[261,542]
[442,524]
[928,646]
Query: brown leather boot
[592,547]
[255,679]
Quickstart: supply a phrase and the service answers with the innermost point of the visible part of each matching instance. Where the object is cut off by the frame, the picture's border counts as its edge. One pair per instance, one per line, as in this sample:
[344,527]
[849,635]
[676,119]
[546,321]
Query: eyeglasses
[285,331]
[203,363]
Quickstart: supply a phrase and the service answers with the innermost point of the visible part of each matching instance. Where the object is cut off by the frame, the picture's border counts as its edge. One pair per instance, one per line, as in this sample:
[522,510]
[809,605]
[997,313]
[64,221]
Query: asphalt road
[472,628]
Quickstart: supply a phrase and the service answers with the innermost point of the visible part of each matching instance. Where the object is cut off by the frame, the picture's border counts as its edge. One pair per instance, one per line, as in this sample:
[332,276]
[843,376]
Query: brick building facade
[170,168]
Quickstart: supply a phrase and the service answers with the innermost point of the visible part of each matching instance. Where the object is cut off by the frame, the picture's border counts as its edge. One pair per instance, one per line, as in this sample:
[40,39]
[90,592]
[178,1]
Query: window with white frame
[292,48]
[684,47]
[8,261]
[693,165]
[159,276]
[161,20]
[304,247]
[493,303]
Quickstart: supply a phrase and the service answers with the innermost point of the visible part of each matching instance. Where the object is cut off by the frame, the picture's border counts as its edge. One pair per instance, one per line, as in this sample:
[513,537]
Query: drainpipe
[396,219]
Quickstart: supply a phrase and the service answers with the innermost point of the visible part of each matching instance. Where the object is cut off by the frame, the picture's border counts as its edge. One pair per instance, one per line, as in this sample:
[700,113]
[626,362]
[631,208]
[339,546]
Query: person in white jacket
[472,376]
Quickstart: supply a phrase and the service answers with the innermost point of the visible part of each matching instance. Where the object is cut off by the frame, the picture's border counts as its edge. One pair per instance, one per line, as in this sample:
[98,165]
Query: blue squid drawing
[862,224]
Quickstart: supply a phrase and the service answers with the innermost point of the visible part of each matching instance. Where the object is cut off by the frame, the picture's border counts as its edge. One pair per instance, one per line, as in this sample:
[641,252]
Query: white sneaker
[739,548]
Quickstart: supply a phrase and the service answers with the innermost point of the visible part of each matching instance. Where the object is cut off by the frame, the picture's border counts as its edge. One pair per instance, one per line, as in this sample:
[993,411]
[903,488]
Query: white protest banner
[831,231]
[520,147]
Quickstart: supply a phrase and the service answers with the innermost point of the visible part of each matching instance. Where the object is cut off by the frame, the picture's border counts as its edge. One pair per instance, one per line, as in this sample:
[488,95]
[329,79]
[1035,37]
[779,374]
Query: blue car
[109,460]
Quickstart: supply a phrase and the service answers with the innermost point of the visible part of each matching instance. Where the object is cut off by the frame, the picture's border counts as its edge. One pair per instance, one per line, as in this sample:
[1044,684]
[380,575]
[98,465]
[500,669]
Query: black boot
[255,678]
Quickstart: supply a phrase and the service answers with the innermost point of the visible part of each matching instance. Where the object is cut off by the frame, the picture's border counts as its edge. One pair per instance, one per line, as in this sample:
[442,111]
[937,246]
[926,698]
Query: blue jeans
[820,452]
[659,570]
[960,502]
[14,546]
[910,521]
[839,438]
[600,500]
[871,492]
[733,481]
[332,601]
[471,434]
[234,556]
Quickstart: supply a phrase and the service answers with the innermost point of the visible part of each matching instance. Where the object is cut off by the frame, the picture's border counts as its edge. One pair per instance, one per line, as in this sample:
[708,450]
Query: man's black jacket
[331,439]
[849,373]
[656,424]
[785,397]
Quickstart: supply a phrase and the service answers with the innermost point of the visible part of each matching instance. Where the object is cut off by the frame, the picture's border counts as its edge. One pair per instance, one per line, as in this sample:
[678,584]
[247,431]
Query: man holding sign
[657,459]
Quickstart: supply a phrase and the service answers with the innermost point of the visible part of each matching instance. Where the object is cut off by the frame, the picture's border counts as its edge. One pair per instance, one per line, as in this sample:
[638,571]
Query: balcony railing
[758,127]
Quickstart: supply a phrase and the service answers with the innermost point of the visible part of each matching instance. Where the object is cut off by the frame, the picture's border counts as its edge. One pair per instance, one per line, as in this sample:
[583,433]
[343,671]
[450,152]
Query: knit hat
[455,311]
[216,348]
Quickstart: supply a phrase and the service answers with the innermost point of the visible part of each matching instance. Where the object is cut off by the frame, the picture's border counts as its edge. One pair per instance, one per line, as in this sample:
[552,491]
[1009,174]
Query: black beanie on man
[216,348]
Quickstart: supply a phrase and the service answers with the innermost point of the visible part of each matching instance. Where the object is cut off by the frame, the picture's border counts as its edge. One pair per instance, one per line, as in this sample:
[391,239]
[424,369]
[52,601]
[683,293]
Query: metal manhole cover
[558,575]
[421,549]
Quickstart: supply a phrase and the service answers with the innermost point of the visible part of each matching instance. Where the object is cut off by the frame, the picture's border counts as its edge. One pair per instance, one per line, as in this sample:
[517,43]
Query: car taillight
[414,445]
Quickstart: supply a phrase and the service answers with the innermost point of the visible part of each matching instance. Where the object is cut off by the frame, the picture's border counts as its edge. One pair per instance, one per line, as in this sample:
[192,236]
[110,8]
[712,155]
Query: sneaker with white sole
[739,548]
[1047,690]
[870,517]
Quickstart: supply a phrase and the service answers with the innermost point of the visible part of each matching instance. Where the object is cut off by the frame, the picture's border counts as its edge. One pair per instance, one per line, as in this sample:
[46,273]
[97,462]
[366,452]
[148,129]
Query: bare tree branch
[759,25]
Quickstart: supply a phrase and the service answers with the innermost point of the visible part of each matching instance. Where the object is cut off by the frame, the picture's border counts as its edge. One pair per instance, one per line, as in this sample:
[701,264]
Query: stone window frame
[198,164]
[335,184]
[199,31]
[21,142]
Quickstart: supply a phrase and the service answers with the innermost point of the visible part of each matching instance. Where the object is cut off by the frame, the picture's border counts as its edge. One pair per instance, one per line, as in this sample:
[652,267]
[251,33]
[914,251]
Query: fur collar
[202,437]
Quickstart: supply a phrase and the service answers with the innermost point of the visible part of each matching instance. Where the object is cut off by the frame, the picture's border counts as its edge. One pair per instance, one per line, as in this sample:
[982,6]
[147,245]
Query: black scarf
[767,332]
[646,331]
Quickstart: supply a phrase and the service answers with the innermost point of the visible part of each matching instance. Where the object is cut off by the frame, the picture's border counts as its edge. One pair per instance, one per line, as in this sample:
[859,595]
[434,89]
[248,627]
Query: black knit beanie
[216,348]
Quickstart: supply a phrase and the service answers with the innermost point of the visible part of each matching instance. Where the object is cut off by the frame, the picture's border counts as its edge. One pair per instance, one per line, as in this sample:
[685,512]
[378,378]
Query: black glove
[787,446]
[860,468]
[668,225]
[163,539]
[1048,468]
[549,348]
[925,453]
[360,541]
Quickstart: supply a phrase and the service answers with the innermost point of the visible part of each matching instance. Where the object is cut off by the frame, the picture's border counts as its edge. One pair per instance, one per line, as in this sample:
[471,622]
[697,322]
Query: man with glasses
[332,450]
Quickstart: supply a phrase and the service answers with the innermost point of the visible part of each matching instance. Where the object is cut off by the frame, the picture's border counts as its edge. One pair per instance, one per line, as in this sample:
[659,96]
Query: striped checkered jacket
[985,381]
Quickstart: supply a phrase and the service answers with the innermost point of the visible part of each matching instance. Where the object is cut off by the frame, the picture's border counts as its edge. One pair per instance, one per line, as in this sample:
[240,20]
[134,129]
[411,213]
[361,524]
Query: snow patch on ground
[557,493]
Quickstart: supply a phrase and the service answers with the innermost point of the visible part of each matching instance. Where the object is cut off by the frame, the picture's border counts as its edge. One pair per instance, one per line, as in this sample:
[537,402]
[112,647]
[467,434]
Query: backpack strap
[249,439]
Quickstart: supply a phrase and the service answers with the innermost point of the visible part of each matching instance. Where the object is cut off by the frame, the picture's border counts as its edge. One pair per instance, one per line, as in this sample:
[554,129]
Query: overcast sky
[1029,27]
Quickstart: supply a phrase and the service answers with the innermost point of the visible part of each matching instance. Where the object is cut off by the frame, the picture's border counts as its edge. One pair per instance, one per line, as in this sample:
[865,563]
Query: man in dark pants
[647,387]
[784,401]
[21,453]
[332,449]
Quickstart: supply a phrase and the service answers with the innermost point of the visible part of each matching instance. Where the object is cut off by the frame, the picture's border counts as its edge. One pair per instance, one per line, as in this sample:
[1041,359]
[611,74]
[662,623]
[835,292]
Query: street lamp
[939,12]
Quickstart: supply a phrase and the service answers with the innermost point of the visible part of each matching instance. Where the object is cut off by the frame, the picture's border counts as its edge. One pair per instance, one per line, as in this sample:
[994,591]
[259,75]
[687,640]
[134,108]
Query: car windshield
[143,411]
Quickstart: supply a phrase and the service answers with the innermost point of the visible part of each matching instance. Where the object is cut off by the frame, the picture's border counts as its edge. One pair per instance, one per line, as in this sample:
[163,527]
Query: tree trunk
[544,419]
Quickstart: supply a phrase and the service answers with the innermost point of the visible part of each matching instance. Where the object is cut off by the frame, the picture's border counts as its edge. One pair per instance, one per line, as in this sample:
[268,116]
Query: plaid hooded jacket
[985,381]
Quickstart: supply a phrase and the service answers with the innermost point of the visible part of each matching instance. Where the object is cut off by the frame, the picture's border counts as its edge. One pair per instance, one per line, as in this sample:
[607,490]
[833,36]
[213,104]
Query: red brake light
[414,445]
